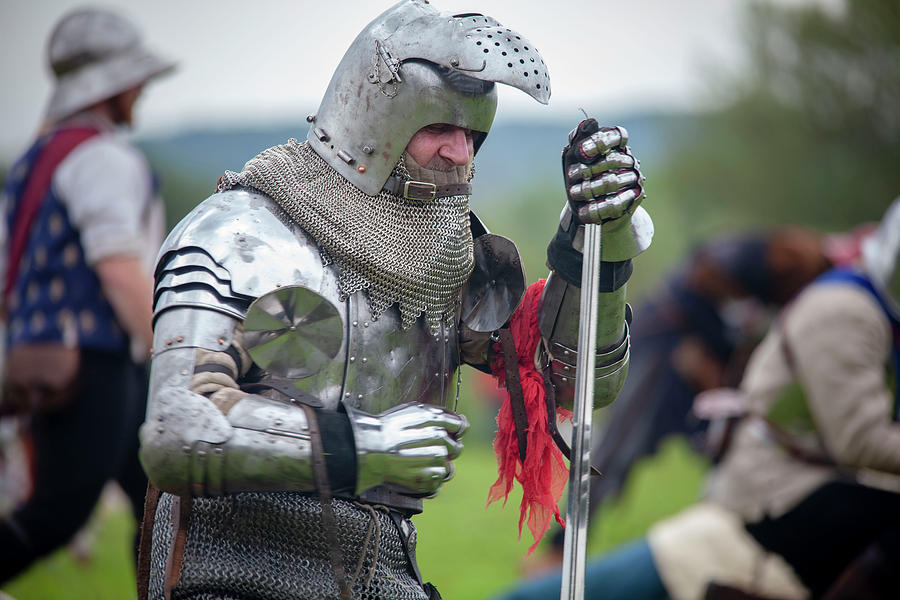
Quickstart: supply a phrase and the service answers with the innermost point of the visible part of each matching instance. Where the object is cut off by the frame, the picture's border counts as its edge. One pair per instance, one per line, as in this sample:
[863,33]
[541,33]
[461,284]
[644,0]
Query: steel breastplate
[259,249]
[387,365]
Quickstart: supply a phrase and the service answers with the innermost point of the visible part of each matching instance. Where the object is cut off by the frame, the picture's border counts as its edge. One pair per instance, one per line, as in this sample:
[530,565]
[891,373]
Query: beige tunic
[841,345]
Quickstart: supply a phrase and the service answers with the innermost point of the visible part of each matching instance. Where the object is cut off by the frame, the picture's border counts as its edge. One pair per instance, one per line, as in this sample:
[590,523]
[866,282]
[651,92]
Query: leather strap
[283,386]
[420,190]
[144,548]
[397,519]
[550,397]
[320,473]
[181,512]
[514,387]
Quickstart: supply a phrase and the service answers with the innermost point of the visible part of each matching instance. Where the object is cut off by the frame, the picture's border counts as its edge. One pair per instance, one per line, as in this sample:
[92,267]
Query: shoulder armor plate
[235,246]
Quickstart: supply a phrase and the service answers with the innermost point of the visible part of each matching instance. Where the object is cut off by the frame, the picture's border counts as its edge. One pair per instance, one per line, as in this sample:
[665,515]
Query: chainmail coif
[412,252]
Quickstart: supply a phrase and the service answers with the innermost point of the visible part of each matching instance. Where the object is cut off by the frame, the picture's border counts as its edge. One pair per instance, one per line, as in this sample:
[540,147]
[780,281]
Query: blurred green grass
[108,575]
[471,552]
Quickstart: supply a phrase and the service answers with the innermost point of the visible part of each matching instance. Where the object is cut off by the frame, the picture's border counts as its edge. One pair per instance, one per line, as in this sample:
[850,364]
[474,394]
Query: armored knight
[311,316]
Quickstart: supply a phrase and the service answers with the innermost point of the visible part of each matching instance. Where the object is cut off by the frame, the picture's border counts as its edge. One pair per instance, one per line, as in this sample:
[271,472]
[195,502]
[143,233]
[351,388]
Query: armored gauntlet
[603,186]
[408,447]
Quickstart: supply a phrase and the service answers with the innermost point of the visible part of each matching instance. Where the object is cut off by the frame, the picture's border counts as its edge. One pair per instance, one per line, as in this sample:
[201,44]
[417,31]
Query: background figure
[695,333]
[84,226]
[805,501]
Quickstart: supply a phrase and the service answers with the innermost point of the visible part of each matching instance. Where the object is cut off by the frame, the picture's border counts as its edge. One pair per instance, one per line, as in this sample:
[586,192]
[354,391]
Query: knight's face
[440,147]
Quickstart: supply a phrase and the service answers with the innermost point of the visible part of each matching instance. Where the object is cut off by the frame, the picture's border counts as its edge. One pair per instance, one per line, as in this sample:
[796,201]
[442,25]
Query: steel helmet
[411,67]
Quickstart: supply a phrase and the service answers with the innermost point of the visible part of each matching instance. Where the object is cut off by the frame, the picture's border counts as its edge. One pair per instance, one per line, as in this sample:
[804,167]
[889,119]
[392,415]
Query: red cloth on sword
[544,475]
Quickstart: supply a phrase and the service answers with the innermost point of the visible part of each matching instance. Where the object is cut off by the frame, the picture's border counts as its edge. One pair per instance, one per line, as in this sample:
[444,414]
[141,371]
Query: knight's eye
[438,128]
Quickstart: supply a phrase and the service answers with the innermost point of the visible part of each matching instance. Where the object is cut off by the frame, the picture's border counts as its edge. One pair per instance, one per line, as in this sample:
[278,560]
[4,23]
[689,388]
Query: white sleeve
[105,184]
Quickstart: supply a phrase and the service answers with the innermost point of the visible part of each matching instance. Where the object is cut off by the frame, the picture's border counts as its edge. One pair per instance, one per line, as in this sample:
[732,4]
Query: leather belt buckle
[419,190]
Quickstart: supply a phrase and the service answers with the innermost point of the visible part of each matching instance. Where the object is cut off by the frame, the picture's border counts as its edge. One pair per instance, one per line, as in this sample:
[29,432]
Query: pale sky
[271,60]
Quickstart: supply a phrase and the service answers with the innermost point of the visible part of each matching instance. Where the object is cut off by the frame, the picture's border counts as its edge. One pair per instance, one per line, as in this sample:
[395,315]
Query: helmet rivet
[361,168]
[310,118]
[454,62]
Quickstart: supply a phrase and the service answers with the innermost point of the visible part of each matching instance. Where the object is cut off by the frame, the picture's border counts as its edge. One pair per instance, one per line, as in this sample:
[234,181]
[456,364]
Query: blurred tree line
[812,134]
[807,133]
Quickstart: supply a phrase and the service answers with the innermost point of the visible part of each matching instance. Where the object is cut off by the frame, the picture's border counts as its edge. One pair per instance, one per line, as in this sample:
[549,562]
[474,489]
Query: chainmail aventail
[412,252]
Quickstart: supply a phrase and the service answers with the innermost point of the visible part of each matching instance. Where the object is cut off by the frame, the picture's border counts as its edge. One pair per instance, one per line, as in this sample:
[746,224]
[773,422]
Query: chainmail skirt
[272,546]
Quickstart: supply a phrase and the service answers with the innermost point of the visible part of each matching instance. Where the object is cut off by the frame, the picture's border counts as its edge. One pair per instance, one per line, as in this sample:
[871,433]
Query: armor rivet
[186,449]
[278,422]
[277,285]
[365,359]
[221,340]
[565,378]
[179,339]
[368,149]
[184,371]
[567,368]
[366,324]
[347,395]
[310,118]
[360,396]
[454,62]
[361,168]
[168,342]
[293,328]
[219,451]
[201,453]
[493,282]
[355,323]
[160,430]
[352,359]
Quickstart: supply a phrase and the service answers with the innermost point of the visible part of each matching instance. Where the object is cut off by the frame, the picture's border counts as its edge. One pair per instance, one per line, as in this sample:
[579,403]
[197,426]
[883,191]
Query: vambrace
[558,324]
[205,437]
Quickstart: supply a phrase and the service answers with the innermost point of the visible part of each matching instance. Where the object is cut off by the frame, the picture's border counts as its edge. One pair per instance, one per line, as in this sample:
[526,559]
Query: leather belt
[420,190]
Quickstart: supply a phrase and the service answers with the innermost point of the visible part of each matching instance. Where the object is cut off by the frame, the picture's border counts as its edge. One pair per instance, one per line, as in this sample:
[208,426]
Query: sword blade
[580,463]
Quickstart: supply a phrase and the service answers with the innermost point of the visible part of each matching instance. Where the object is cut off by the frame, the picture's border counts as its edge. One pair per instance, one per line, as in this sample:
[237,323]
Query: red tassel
[544,475]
